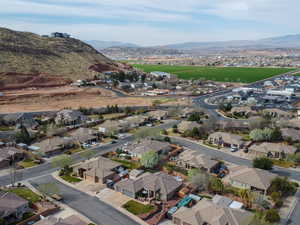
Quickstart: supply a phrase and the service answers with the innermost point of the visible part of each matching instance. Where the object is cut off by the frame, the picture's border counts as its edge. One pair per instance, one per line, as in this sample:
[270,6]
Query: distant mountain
[30,60]
[289,41]
[119,52]
[99,45]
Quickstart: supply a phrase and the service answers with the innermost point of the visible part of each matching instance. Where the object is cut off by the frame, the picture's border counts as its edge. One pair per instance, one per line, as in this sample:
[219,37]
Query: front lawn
[26,193]
[70,179]
[27,163]
[128,164]
[282,163]
[137,208]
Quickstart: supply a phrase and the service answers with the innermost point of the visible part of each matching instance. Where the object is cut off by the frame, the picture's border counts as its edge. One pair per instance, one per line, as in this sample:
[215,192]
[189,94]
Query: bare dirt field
[51,99]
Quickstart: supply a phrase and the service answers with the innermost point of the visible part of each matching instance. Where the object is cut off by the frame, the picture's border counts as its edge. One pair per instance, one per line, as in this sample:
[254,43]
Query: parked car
[234,149]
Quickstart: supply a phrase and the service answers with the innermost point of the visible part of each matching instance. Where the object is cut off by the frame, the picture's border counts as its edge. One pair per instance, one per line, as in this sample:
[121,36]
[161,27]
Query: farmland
[222,74]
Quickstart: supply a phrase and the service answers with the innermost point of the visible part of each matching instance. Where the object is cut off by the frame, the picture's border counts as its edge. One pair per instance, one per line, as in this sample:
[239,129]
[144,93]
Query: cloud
[154,21]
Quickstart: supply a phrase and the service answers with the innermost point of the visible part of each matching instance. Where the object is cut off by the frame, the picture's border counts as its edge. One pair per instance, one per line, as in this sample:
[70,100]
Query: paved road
[293,174]
[91,207]
[295,217]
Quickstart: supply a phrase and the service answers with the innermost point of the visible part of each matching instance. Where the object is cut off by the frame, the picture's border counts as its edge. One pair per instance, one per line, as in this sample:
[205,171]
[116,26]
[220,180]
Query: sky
[154,22]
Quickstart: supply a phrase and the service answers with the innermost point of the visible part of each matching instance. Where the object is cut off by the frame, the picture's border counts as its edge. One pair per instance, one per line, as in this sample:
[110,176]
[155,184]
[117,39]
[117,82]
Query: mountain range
[288,41]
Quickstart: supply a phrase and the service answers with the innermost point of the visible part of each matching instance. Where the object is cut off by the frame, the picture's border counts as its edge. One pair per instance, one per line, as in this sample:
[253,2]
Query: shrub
[263,163]
[272,216]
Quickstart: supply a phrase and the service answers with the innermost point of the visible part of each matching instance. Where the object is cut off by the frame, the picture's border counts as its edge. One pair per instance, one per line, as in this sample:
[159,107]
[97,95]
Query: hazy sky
[154,22]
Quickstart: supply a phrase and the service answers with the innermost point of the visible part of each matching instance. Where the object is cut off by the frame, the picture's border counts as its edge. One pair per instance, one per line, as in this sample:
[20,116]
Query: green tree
[87,154]
[199,178]
[62,161]
[272,216]
[263,163]
[216,185]
[150,159]
[283,186]
[23,136]
[247,197]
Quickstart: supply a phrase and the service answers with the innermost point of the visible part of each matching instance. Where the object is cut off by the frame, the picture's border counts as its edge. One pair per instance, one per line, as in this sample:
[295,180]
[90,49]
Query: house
[233,125]
[137,149]
[277,113]
[112,127]
[134,121]
[55,145]
[187,126]
[85,135]
[190,159]
[60,35]
[158,115]
[243,111]
[8,136]
[12,206]
[70,117]
[205,212]
[98,170]
[152,185]
[226,202]
[226,140]
[24,119]
[272,150]
[10,154]
[250,178]
[293,123]
[70,220]
[186,112]
[290,134]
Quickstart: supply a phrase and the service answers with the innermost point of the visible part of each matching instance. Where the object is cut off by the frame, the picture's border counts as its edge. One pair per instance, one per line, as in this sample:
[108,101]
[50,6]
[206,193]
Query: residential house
[70,220]
[10,154]
[233,125]
[243,111]
[85,135]
[186,112]
[226,140]
[253,179]
[8,136]
[98,170]
[190,159]
[290,134]
[158,115]
[187,126]
[277,113]
[55,145]
[152,185]
[12,206]
[70,117]
[134,121]
[272,150]
[293,123]
[112,127]
[205,212]
[137,149]
[24,119]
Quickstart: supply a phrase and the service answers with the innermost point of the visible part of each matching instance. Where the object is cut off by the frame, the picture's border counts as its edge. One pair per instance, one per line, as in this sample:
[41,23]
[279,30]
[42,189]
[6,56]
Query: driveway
[91,207]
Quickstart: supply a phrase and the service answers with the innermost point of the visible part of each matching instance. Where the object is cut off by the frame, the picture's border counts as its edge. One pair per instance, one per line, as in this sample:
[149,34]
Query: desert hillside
[30,60]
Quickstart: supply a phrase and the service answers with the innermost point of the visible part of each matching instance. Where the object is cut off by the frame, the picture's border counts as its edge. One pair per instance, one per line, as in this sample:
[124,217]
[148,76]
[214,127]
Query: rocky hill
[30,60]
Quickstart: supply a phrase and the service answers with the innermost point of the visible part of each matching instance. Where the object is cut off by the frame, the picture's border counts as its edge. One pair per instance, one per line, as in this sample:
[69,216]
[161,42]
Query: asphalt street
[91,207]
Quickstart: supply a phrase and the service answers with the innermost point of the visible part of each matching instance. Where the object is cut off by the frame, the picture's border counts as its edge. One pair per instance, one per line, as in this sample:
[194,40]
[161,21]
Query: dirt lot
[50,99]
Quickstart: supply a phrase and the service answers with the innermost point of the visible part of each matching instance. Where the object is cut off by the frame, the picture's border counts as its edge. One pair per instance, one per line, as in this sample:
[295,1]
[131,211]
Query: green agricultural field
[223,74]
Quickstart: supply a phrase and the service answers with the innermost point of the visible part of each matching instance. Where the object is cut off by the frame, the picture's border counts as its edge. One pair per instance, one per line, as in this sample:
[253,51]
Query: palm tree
[247,197]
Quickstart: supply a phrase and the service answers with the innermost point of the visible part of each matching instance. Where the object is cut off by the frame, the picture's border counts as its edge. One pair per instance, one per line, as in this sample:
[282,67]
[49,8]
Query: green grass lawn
[128,164]
[137,208]
[27,163]
[71,179]
[223,74]
[5,128]
[26,193]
